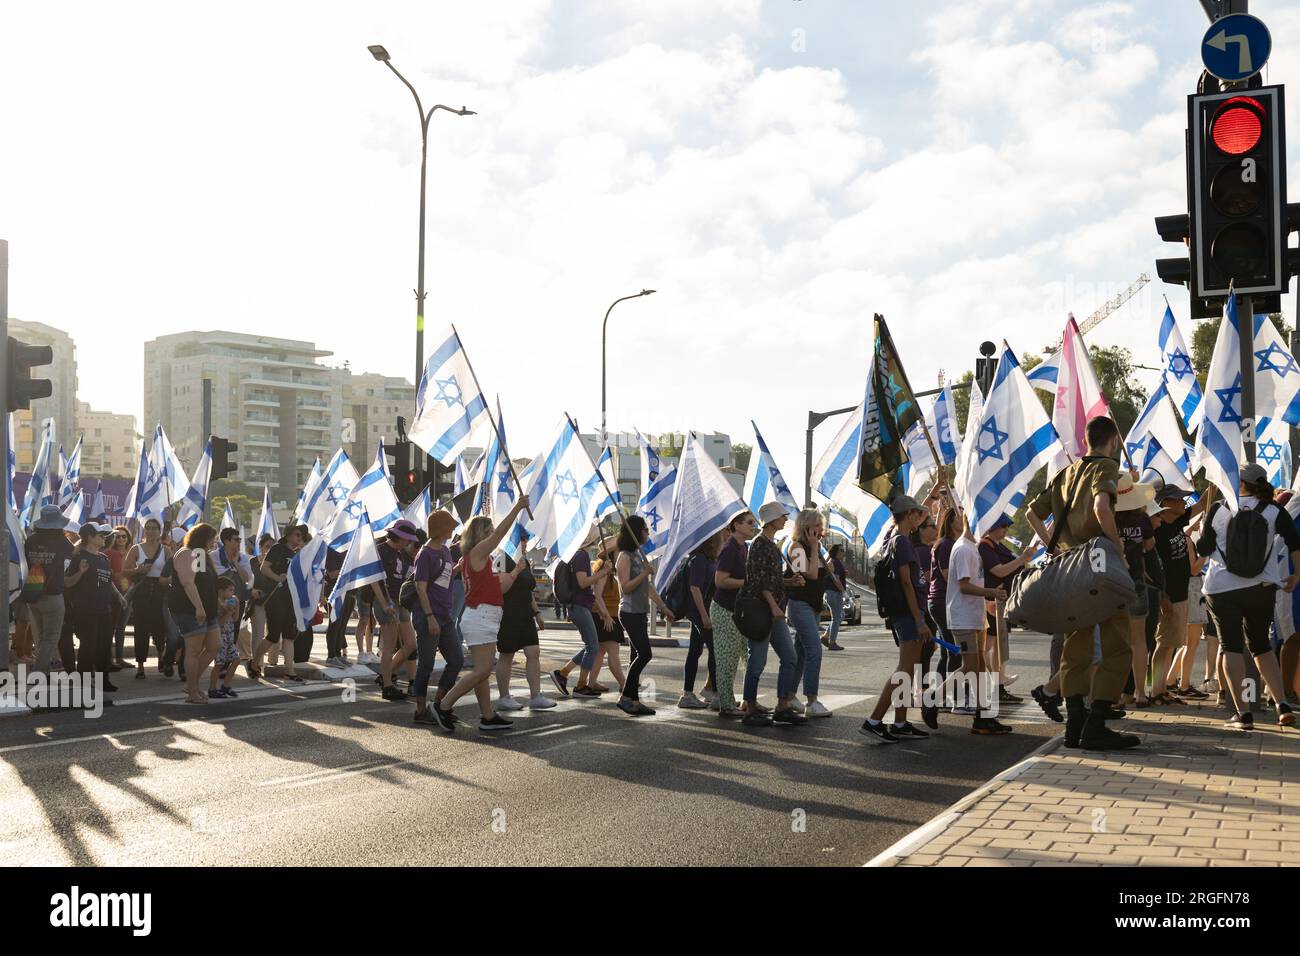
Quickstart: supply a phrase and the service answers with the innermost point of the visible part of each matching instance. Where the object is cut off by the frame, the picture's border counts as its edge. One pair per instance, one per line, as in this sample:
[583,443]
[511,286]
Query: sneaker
[585,691]
[446,720]
[634,708]
[964,711]
[788,715]
[710,697]
[880,730]
[139,672]
[757,720]
[495,722]
[231,692]
[1190,693]
[988,726]
[818,709]
[508,703]
[1286,718]
[561,683]
[689,701]
[1240,722]
[797,706]
[425,716]
[930,715]
[907,730]
[731,712]
[338,662]
[1006,697]
[392,693]
[217,694]
[541,702]
[1050,703]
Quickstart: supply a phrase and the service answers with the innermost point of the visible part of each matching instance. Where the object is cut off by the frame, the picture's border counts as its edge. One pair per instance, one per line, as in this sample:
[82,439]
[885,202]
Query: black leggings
[147,620]
[94,632]
[700,639]
[636,626]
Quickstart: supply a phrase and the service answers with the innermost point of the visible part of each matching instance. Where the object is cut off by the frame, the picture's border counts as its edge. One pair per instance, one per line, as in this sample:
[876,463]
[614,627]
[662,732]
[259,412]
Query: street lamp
[380,54]
[604,439]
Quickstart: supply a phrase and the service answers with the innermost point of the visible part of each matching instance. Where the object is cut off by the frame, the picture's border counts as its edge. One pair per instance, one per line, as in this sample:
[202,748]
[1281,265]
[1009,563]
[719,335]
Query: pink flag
[1078,397]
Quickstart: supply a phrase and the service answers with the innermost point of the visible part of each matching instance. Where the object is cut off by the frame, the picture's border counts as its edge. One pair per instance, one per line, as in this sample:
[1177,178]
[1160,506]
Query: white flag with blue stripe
[135,495]
[17,553]
[305,579]
[564,495]
[498,482]
[1273,450]
[1043,376]
[763,481]
[460,478]
[168,483]
[322,501]
[651,467]
[1219,447]
[1156,466]
[1277,376]
[40,490]
[703,503]
[98,510]
[313,481]
[195,503]
[70,473]
[373,493]
[1178,375]
[1013,439]
[656,506]
[361,565]
[838,464]
[514,539]
[609,503]
[418,511]
[13,466]
[228,518]
[871,515]
[448,405]
[1158,422]
[266,523]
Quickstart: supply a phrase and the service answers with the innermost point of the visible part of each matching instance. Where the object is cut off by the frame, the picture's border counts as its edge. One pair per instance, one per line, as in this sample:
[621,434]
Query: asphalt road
[308,776]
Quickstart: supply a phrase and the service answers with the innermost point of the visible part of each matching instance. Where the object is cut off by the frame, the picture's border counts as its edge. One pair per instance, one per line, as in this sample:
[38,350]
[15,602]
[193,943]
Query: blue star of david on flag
[999,438]
[503,485]
[354,508]
[1268,360]
[652,516]
[1225,395]
[566,487]
[1269,452]
[337,493]
[448,391]
[1179,364]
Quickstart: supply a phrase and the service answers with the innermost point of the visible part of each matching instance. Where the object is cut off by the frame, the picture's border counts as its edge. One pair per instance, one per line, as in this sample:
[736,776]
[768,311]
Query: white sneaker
[508,703]
[540,702]
[710,697]
[689,701]
[797,706]
[1010,679]
[964,712]
[818,709]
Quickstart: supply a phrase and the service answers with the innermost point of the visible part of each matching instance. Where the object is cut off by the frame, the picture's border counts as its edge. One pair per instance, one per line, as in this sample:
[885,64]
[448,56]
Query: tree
[245,509]
[741,452]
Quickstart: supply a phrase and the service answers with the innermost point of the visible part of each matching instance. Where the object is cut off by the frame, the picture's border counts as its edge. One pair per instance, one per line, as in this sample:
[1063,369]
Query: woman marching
[89,581]
[582,614]
[144,567]
[728,578]
[192,599]
[700,571]
[481,622]
[805,607]
[633,572]
[434,628]
[521,619]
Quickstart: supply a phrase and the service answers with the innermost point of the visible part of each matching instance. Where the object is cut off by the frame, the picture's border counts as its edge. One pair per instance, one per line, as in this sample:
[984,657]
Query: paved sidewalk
[1193,794]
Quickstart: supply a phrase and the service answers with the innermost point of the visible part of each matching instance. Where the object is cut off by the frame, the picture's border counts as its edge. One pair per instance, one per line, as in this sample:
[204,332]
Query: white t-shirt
[965,611]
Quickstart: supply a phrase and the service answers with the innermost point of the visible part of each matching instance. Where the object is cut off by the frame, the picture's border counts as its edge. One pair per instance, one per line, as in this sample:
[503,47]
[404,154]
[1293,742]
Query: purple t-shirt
[731,560]
[396,563]
[434,565]
[905,554]
[701,570]
[586,596]
[939,584]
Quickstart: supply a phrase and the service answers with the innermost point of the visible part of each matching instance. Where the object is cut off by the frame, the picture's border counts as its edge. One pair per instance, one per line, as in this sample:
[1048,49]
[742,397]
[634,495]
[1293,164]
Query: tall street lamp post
[604,438]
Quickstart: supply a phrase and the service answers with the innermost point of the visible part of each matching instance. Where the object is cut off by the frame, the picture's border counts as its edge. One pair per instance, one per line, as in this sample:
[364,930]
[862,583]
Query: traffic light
[404,476]
[222,466]
[22,387]
[1178,271]
[1237,186]
[441,477]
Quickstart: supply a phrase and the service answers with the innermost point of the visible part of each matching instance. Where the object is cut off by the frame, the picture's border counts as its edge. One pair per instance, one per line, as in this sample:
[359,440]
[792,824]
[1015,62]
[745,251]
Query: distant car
[852,608]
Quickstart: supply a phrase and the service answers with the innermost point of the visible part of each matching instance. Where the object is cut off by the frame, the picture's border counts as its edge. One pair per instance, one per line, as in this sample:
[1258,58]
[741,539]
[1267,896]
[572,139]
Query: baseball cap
[904,504]
[1253,473]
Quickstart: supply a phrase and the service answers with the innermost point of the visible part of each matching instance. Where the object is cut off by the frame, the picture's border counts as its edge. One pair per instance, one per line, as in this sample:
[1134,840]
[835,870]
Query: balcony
[312,403]
[264,380]
[320,425]
[255,418]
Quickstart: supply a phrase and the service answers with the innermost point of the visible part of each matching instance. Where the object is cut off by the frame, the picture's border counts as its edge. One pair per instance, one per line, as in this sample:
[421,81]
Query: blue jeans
[586,625]
[447,642]
[808,648]
[835,601]
[784,647]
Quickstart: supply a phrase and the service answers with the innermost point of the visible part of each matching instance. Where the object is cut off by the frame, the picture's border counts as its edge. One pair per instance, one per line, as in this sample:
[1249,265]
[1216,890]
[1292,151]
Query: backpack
[566,583]
[1250,542]
[406,596]
[678,595]
[889,590]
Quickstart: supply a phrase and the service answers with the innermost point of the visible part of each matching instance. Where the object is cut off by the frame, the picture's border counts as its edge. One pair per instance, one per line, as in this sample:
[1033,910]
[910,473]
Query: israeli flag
[17,553]
[514,539]
[40,490]
[872,516]
[136,507]
[1158,422]
[13,466]
[704,506]
[418,511]
[73,512]
[838,465]
[71,472]
[372,494]
[305,579]
[1157,466]
[651,467]
[656,506]
[611,502]
[195,503]
[167,474]
[1014,438]
[763,481]
[313,480]
[265,524]
[461,479]
[1043,375]
[448,406]
[1277,376]
[1273,450]
[498,482]
[838,524]
[228,519]
[1219,448]
[1178,375]
[564,495]
[361,566]
[98,510]
[322,502]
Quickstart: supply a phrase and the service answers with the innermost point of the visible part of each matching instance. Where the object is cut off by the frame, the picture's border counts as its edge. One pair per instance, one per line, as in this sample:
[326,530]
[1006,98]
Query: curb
[941,821]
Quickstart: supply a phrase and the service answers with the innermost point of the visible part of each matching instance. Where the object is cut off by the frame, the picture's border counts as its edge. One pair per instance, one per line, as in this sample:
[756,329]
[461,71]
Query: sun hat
[1133,495]
[441,523]
[403,529]
[51,519]
[772,511]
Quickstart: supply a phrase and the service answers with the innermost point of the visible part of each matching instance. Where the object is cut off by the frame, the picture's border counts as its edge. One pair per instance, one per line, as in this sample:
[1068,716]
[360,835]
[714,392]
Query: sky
[778,171]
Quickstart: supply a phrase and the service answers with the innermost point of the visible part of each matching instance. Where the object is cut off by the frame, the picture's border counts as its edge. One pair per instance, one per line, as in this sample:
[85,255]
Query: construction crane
[1107,308]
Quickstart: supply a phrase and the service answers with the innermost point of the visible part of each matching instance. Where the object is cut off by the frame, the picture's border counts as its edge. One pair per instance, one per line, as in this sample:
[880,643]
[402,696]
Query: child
[227,660]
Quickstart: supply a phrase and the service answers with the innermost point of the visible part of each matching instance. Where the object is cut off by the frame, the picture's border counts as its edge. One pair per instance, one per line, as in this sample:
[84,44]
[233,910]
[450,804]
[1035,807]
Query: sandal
[294,678]
[1141,704]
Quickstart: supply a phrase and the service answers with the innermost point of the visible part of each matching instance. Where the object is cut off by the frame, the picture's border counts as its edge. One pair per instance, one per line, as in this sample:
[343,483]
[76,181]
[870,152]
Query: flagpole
[500,441]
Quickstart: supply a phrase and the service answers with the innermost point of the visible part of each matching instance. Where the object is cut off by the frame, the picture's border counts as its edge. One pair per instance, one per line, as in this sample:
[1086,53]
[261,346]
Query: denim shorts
[905,629]
[188,624]
[403,616]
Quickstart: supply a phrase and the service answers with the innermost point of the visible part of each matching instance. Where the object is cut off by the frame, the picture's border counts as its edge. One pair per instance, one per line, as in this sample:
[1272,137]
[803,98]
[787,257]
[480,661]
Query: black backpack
[889,591]
[566,583]
[1250,542]
[678,595]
